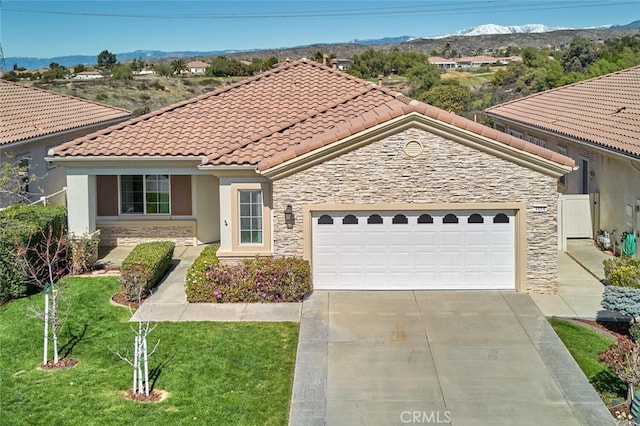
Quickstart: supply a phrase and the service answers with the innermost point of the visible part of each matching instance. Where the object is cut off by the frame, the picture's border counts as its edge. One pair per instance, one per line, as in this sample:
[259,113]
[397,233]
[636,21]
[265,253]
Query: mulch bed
[63,363]
[154,396]
[120,299]
[615,329]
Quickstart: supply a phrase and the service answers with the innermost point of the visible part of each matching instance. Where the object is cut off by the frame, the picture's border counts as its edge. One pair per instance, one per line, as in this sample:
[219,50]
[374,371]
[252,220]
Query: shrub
[83,252]
[623,358]
[622,299]
[195,273]
[21,225]
[262,279]
[622,271]
[634,331]
[145,266]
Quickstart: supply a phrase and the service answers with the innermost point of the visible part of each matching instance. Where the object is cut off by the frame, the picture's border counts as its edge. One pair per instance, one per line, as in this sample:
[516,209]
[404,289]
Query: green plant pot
[635,404]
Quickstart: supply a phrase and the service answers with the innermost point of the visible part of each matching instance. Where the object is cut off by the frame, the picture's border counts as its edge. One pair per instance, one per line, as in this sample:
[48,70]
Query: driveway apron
[435,357]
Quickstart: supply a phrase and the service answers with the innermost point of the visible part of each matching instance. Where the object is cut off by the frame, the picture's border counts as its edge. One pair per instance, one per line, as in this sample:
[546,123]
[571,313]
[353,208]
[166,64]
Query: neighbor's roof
[28,112]
[197,64]
[604,111]
[270,118]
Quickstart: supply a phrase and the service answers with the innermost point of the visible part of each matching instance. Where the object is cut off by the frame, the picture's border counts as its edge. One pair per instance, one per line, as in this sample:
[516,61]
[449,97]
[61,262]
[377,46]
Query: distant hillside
[634,24]
[465,45]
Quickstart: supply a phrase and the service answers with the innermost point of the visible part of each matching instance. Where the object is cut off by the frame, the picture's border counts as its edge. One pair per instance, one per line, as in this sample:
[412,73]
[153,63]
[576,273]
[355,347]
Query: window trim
[253,232]
[144,196]
[267,232]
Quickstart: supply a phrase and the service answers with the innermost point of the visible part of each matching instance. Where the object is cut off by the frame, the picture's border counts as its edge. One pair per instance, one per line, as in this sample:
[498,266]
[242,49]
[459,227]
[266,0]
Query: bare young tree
[141,353]
[44,261]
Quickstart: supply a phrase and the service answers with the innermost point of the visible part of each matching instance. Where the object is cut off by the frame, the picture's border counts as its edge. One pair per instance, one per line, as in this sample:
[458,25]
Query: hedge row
[144,267]
[23,225]
[262,279]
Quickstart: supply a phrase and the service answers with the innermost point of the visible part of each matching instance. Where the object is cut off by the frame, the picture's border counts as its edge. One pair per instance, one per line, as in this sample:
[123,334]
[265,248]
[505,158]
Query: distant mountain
[482,30]
[385,40]
[69,61]
[499,29]
[634,24]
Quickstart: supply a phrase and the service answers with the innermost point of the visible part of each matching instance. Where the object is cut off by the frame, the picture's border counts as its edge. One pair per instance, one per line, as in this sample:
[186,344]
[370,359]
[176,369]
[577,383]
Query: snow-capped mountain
[500,29]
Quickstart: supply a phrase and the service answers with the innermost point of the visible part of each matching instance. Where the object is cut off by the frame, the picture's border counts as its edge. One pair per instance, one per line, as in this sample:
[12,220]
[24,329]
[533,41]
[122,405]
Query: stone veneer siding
[114,234]
[445,172]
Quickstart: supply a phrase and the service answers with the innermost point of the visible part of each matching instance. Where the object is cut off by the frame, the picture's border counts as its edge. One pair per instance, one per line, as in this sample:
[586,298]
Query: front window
[144,194]
[250,208]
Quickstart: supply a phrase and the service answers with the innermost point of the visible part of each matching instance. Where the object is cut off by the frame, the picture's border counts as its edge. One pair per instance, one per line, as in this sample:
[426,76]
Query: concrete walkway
[580,288]
[461,358]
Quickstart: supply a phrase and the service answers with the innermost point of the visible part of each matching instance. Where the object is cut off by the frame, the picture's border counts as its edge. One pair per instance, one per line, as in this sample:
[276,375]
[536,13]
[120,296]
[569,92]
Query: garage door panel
[372,259]
[414,255]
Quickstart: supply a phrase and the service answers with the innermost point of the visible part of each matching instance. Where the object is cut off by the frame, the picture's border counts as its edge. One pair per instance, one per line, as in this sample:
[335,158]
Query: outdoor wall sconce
[289,218]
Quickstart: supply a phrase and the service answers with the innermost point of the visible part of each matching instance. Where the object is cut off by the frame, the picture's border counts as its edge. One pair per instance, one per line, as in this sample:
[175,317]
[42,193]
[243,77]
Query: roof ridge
[51,92]
[299,119]
[372,118]
[566,86]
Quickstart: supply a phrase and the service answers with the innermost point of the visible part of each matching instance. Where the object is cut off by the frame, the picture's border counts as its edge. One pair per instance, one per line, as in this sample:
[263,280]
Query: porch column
[225,215]
[81,203]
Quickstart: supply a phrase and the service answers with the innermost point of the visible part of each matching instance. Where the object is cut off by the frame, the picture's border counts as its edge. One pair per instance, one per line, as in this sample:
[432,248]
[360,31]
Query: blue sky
[58,28]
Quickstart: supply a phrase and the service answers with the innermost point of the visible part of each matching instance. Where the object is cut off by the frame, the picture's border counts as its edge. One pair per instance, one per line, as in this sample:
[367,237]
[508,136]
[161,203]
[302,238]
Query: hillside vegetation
[466,92]
[139,95]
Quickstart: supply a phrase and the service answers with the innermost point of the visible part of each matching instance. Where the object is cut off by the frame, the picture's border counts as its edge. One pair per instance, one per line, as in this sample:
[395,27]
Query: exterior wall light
[289,217]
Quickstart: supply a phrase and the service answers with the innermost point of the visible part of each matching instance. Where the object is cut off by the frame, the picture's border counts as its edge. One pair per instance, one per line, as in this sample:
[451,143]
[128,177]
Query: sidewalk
[169,301]
[579,287]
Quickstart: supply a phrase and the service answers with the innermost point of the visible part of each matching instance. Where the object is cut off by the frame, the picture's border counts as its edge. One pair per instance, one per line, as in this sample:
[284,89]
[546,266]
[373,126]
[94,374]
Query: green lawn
[215,373]
[585,345]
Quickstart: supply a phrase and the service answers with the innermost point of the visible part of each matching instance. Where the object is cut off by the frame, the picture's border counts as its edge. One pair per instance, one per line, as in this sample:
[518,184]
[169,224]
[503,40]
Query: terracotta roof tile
[604,111]
[28,112]
[274,117]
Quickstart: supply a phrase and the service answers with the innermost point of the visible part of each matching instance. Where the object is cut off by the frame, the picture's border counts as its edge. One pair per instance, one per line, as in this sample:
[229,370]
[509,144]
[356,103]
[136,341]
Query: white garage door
[401,250]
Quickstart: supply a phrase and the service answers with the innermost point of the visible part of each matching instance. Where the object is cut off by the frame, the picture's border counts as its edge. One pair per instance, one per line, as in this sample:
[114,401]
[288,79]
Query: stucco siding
[619,194]
[445,172]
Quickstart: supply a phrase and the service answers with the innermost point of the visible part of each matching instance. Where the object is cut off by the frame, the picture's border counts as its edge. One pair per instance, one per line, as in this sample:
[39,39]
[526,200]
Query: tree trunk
[135,365]
[629,394]
[146,366]
[46,327]
[54,320]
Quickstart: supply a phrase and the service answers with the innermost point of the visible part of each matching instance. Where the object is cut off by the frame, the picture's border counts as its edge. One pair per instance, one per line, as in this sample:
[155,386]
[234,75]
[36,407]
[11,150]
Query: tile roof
[604,111]
[197,64]
[28,112]
[267,119]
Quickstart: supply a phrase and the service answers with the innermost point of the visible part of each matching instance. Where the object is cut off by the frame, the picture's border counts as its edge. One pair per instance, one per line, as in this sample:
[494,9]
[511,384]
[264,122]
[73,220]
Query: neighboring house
[32,121]
[443,63]
[88,75]
[597,123]
[470,61]
[376,190]
[197,67]
[476,61]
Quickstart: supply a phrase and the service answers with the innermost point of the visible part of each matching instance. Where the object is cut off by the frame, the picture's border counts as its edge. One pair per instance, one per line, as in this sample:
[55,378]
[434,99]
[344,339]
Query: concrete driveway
[461,358]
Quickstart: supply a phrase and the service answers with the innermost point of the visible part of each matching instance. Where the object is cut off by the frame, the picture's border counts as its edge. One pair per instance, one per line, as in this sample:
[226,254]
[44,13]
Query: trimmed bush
[262,279]
[196,271]
[622,271]
[20,225]
[144,267]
